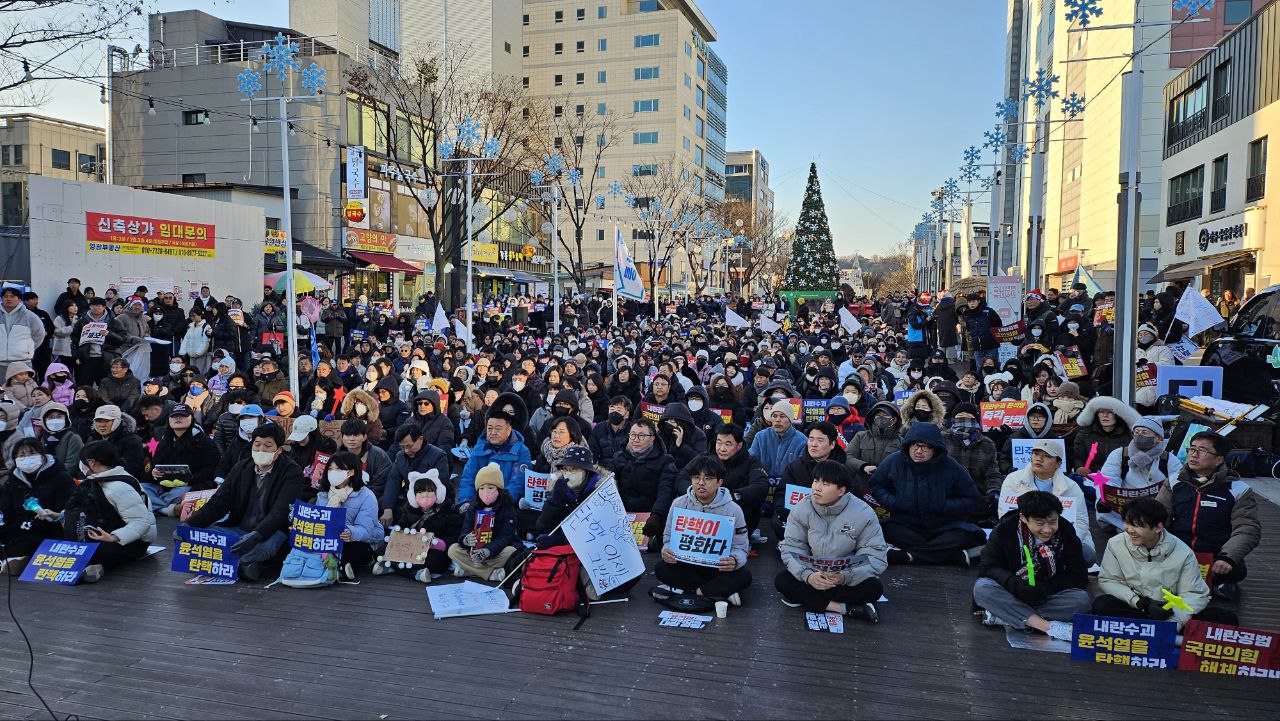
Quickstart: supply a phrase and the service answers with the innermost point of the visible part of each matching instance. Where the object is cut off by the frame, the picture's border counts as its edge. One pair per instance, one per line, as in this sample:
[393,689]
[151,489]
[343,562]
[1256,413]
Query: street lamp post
[547,179]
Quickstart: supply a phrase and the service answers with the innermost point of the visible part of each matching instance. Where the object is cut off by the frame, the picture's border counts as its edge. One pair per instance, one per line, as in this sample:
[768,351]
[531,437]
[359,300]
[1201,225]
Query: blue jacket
[776,453]
[362,516]
[513,458]
[935,495]
[917,320]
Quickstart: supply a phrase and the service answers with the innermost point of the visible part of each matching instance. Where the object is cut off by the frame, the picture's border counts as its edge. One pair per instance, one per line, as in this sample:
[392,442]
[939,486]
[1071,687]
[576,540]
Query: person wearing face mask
[967,445]
[846,420]
[435,425]
[174,381]
[1105,425]
[489,536]
[254,501]
[361,405]
[36,475]
[58,379]
[110,424]
[610,435]
[53,429]
[1142,464]
[238,445]
[575,480]
[181,443]
[680,434]
[425,505]
[923,407]
[107,508]
[723,395]
[564,404]
[1150,350]
[343,486]
[915,378]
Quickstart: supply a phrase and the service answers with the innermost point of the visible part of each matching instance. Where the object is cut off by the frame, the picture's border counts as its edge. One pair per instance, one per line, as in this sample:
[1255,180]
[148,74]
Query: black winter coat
[605,442]
[646,482]
[1002,558]
[274,498]
[133,456]
[193,449]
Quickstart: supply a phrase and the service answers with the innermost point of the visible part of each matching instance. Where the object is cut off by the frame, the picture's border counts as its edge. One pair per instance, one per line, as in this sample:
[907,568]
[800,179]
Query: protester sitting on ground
[730,577]
[54,421]
[238,446]
[121,387]
[1035,425]
[425,507]
[503,445]
[575,478]
[834,550]
[929,497]
[610,434]
[108,508]
[1045,473]
[1142,563]
[111,425]
[745,479]
[1214,512]
[181,444]
[870,447]
[967,445]
[1105,425]
[1142,464]
[488,529]
[923,407]
[38,477]
[681,435]
[354,438]
[343,486]
[646,476]
[254,502]
[413,455]
[1032,573]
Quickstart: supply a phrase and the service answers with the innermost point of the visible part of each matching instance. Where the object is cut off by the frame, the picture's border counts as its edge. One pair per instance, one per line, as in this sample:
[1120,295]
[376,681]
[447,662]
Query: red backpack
[550,581]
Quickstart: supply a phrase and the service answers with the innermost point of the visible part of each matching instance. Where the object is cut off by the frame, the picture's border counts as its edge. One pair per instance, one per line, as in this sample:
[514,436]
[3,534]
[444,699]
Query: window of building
[580,110]
[688,49]
[4,154]
[688,82]
[507,47]
[1186,195]
[640,171]
[524,113]
[559,80]
[1187,112]
[580,46]
[702,68]
[558,142]
[86,163]
[524,51]
[524,82]
[525,20]
[558,111]
[688,115]
[644,138]
[686,143]
[17,155]
[602,12]
[577,141]
[650,6]
[699,128]
[195,117]
[648,41]
[193,178]
[651,73]
[60,159]
[701,98]
[601,140]
[559,16]
[602,108]
[559,48]
[580,79]
[1221,90]
[646,106]
[604,44]
[599,235]
[601,77]
[1218,195]
[1256,184]
[580,14]
[697,156]
[1237,11]
[600,171]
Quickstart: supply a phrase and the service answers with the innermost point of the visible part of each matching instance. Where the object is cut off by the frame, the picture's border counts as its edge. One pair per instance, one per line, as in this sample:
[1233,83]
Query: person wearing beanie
[777,446]
[488,530]
[1143,464]
[845,418]
[1150,350]
[1065,400]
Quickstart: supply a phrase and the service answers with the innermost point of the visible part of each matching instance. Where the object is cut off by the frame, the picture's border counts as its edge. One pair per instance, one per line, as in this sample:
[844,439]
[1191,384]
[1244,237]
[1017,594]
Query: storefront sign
[1223,239]
[1068,263]
[356,212]
[357,176]
[274,242]
[413,175]
[484,253]
[131,235]
[369,240]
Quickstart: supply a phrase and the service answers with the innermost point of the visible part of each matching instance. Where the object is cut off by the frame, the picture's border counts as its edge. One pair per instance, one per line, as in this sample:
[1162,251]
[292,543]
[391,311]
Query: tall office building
[747,179]
[38,145]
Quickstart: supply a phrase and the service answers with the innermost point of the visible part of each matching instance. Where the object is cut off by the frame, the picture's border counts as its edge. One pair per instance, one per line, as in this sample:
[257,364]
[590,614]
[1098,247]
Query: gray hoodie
[721,505]
[846,532]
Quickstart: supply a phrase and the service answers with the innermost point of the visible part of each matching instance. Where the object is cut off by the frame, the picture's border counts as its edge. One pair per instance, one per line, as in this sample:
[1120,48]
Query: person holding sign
[834,550]
[646,475]
[1213,511]
[1146,561]
[1150,351]
[343,486]
[880,439]
[489,524]
[1143,468]
[426,507]
[729,577]
[1044,473]
[1105,425]
[31,502]
[821,445]
[108,508]
[1033,573]
[181,444]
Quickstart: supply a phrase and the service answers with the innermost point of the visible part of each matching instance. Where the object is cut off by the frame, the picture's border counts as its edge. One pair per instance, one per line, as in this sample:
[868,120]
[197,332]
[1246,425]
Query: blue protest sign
[317,529]
[813,410]
[1124,641]
[59,562]
[205,551]
[900,397]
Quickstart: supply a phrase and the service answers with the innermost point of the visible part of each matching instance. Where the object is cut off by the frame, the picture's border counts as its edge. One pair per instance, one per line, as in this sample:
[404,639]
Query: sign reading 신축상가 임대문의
[132,235]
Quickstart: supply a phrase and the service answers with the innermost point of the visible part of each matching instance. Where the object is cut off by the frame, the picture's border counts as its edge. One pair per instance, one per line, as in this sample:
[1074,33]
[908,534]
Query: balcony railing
[1218,200]
[1186,210]
[1255,188]
[1185,129]
[1221,106]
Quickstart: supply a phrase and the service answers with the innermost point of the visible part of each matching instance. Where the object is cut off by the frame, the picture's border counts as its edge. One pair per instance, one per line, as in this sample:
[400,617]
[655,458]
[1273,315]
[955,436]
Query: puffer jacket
[800,472]
[1091,435]
[436,428]
[605,441]
[1131,573]
[21,332]
[721,505]
[646,482]
[871,446]
[513,458]
[980,324]
[939,410]
[361,517]
[935,495]
[979,459]
[846,529]
[693,444]
[1219,517]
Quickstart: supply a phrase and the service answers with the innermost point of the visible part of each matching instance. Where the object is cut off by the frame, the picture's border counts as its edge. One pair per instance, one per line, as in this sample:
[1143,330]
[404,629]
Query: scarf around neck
[1044,556]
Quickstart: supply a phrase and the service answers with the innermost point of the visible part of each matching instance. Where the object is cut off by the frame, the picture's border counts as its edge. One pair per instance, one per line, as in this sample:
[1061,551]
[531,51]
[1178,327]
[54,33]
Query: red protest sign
[1009,333]
[192,501]
[1118,497]
[1228,650]
[652,411]
[637,521]
[1003,413]
[1146,377]
[1072,363]
[726,417]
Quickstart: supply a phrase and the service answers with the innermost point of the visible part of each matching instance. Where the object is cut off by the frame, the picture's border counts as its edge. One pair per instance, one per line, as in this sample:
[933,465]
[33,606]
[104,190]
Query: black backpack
[89,506]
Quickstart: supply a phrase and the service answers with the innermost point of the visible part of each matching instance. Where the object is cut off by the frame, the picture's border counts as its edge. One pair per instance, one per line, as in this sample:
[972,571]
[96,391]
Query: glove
[438,544]
[245,542]
[469,540]
[523,504]
[480,555]
[1154,609]
[653,526]
[464,507]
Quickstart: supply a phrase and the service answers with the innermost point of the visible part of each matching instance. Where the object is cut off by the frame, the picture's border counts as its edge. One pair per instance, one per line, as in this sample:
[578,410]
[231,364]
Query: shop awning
[1191,269]
[522,277]
[492,272]
[313,258]
[383,262]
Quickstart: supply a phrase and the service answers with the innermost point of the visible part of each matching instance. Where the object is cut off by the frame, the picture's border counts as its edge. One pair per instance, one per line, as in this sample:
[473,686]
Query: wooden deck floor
[141,644]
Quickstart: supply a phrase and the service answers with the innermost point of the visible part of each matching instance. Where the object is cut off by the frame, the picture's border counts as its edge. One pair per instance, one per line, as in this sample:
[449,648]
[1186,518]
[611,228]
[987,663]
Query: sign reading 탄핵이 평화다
[59,562]
[700,538]
[316,529]
[205,551]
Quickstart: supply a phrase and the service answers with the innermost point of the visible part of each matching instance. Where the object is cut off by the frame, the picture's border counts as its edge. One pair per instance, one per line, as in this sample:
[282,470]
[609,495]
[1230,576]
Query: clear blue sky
[884,96]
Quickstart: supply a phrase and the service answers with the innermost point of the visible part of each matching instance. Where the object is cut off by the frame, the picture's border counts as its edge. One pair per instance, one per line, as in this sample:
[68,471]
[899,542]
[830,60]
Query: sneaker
[93,573]
[172,510]
[734,599]
[787,603]
[251,571]
[459,571]
[899,557]
[348,572]
[380,569]
[989,620]
[1060,630]
[758,538]
[1226,591]
[499,575]
[864,611]
[422,576]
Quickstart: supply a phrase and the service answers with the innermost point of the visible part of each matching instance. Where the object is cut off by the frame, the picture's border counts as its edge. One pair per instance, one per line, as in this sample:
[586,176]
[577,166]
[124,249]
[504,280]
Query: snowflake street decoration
[1073,105]
[1081,10]
[927,219]
[988,181]
[615,188]
[937,205]
[537,178]
[468,133]
[972,154]
[600,201]
[1040,88]
[951,187]
[281,57]
[249,82]
[630,200]
[448,147]
[575,176]
[555,163]
[994,138]
[644,215]
[1192,7]
[492,147]
[969,173]
[1018,153]
[1007,110]
[313,79]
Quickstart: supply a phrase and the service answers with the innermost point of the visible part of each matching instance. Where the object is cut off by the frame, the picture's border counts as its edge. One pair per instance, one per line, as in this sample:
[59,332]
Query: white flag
[440,321]
[848,322]
[733,320]
[462,331]
[1197,312]
[769,325]
[602,538]
[626,279]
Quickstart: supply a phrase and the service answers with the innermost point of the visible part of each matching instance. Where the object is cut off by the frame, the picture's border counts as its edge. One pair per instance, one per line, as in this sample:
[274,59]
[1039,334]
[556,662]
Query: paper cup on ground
[722,609]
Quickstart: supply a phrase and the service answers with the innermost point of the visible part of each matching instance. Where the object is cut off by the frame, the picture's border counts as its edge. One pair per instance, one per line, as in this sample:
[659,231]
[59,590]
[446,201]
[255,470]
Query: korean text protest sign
[1072,363]
[726,416]
[59,562]
[1117,497]
[1146,377]
[1003,413]
[794,495]
[700,538]
[205,551]
[1228,650]
[537,487]
[192,501]
[652,411]
[317,529]
[637,521]
[1124,641]
[602,538]
[1021,448]
[1009,501]
[1004,296]
[814,409]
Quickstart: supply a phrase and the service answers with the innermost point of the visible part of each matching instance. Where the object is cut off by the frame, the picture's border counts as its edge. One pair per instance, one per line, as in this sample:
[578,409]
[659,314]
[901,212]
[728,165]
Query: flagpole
[617,273]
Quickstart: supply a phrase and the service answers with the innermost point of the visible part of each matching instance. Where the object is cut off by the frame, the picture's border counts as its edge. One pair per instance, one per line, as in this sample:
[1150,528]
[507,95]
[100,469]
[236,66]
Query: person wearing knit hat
[424,507]
[488,527]
[777,446]
[1145,463]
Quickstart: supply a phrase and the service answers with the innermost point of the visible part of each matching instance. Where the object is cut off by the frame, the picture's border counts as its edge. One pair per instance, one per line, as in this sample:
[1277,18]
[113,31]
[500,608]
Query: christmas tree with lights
[812,266]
